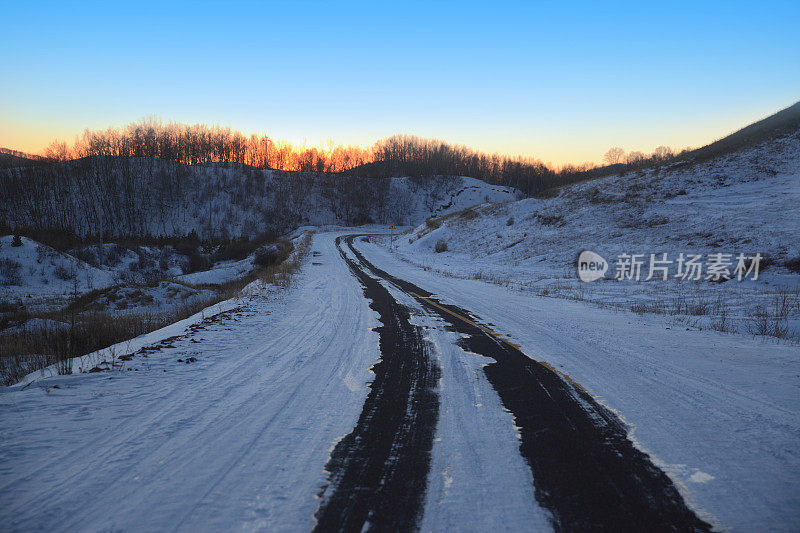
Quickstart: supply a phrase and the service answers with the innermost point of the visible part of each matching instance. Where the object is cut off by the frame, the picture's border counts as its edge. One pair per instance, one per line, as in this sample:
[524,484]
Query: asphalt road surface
[586,471]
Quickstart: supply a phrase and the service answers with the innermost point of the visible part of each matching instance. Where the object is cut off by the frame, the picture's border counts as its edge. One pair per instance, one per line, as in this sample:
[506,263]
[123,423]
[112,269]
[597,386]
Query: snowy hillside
[34,269]
[35,273]
[36,277]
[745,202]
[140,197]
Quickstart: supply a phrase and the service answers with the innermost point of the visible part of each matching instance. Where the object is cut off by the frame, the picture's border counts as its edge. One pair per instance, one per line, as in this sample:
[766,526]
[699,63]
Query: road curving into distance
[586,471]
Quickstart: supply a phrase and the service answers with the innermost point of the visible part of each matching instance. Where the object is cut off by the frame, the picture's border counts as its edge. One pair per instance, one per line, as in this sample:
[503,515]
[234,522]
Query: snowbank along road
[359,399]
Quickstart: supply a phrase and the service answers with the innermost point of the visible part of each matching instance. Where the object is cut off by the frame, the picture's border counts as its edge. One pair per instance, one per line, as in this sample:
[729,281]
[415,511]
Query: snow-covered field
[238,437]
[745,202]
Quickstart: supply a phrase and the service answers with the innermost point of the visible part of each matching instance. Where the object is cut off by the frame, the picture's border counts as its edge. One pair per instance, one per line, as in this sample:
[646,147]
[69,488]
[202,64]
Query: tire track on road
[378,473]
[585,469]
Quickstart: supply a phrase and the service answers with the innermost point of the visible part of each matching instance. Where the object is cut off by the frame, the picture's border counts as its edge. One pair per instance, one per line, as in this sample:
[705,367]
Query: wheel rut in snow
[586,471]
[379,472]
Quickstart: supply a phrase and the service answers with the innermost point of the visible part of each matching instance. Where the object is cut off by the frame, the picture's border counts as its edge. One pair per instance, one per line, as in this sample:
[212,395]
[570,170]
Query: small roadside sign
[391,238]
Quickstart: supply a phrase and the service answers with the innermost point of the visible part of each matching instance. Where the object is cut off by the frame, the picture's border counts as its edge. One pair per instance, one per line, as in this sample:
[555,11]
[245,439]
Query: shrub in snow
[266,256]
[469,214]
[510,221]
[115,253]
[17,241]
[197,262]
[87,255]
[433,223]
[41,253]
[62,272]
[10,272]
[441,246]
[144,263]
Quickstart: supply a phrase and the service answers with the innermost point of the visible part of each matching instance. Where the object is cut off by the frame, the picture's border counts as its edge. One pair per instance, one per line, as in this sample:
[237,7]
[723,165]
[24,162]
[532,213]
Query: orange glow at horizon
[556,150]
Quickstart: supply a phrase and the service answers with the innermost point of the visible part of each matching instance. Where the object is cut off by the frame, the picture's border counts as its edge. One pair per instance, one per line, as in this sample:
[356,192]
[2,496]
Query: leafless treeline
[114,197]
[198,144]
[410,155]
[399,154]
[92,195]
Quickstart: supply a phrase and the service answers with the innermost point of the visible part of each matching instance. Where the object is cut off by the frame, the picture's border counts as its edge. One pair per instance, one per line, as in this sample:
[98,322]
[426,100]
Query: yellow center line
[465,319]
[491,332]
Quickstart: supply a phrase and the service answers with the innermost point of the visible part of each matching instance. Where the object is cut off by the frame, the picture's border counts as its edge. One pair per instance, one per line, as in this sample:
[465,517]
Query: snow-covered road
[586,471]
[240,437]
[237,439]
[719,413]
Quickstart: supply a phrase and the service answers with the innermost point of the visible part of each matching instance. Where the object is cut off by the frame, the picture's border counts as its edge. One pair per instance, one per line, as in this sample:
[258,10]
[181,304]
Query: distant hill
[742,198]
[145,197]
[778,125]
[14,158]
[775,126]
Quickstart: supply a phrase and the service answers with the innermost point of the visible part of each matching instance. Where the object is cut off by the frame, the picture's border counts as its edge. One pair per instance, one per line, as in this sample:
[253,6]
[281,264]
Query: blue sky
[557,81]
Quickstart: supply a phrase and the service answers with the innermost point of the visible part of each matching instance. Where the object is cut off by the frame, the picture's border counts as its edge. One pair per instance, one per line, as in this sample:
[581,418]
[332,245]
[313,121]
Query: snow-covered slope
[442,195]
[35,277]
[156,298]
[745,202]
[34,268]
[138,197]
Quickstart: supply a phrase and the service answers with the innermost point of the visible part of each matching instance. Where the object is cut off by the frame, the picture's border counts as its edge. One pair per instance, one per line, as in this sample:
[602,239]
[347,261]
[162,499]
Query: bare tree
[614,156]
[662,153]
[635,158]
